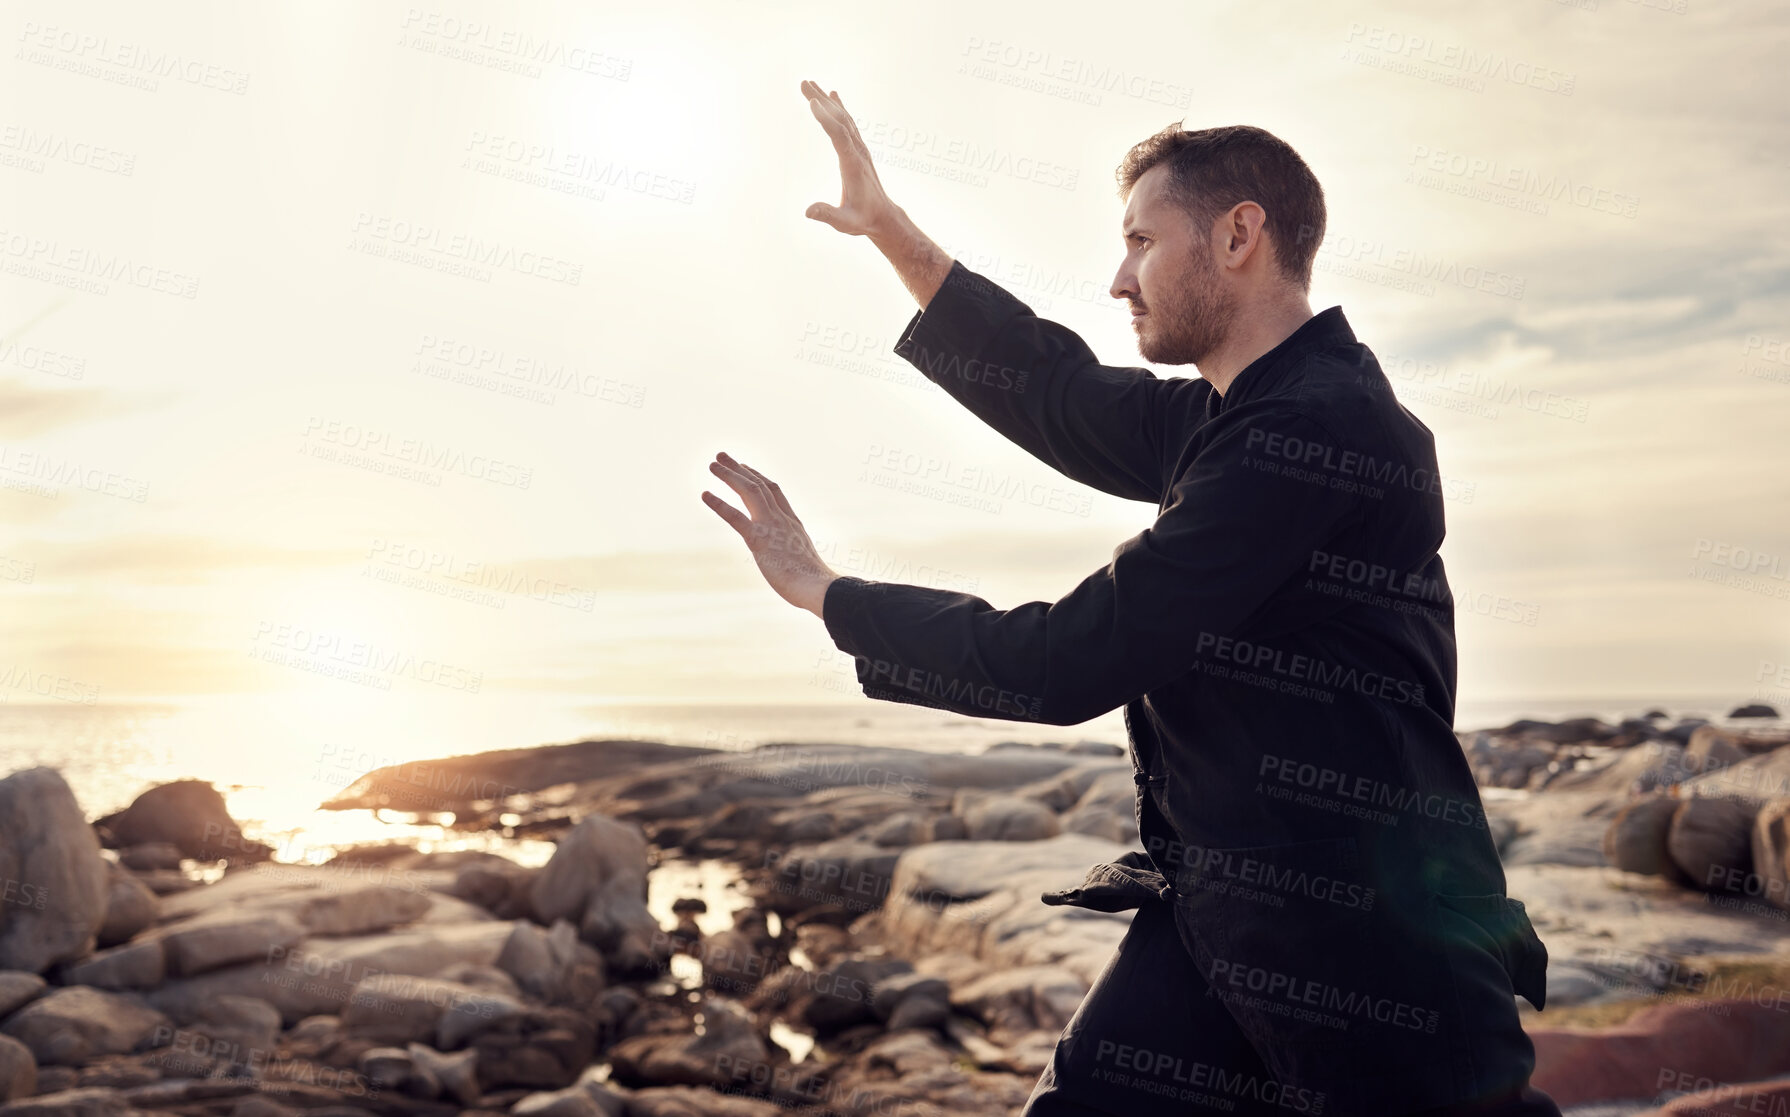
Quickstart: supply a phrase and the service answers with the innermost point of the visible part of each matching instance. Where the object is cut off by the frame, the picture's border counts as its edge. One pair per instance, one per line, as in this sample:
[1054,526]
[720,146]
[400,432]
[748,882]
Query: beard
[1190,319]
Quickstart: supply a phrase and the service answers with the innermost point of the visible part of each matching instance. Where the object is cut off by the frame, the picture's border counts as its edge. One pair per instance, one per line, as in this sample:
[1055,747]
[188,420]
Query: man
[1321,923]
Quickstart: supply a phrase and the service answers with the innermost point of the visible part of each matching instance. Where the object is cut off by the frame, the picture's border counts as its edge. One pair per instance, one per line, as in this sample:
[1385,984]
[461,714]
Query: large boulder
[18,988]
[1713,747]
[135,965]
[396,1008]
[1636,839]
[554,965]
[1711,840]
[980,899]
[1734,1040]
[213,942]
[1771,853]
[151,857]
[597,880]
[852,872]
[1505,761]
[729,1038]
[361,911]
[73,1025]
[1009,818]
[318,976]
[1017,1001]
[52,873]
[130,907]
[1753,710]
[243,1026]
[187,814]
[18,1070]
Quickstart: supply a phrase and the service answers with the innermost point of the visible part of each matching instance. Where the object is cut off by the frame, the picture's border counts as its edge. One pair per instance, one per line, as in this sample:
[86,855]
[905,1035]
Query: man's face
[1181,309]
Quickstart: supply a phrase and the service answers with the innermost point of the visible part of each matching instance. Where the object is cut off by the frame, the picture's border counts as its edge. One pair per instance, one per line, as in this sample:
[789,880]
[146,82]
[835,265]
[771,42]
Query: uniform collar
[1321,331]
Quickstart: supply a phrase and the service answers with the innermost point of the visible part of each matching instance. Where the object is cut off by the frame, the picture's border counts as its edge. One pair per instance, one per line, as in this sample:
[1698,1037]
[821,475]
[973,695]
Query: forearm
[917,258]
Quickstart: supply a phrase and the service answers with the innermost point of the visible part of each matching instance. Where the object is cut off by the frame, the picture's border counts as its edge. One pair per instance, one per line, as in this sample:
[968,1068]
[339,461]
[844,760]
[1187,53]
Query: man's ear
[1244,226]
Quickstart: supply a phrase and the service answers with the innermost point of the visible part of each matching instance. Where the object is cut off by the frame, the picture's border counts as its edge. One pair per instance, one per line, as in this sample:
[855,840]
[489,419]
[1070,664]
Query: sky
[413,329]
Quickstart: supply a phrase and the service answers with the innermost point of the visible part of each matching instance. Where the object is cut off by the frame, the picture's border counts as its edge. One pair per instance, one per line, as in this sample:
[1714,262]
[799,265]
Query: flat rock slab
[71,1025]
[981,899]
[329,900]
[317,976]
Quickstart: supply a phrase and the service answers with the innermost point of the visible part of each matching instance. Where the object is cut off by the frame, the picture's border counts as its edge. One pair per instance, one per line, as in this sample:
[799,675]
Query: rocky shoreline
[869,939]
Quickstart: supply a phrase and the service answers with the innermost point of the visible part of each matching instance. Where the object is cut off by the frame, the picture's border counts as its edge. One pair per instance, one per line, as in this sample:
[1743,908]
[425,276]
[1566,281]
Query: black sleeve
[1038,383]
[1236,528]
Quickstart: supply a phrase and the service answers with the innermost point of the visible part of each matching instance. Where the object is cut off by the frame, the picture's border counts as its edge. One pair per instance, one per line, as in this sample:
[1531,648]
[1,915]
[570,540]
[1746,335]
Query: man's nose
[1124,284]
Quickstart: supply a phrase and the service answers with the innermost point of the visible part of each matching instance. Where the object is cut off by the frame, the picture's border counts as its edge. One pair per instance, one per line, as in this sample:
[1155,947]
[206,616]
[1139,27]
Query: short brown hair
[1213,169]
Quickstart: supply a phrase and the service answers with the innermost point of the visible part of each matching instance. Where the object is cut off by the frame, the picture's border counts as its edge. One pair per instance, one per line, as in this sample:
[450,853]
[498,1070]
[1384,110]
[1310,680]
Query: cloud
[27,411]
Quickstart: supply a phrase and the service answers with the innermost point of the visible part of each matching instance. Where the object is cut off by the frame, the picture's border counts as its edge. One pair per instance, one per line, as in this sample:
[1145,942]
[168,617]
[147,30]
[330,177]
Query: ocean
[276,757]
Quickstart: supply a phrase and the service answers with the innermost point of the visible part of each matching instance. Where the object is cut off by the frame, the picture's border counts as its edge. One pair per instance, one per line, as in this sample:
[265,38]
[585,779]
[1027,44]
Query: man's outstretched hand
[864,207]
[778,541]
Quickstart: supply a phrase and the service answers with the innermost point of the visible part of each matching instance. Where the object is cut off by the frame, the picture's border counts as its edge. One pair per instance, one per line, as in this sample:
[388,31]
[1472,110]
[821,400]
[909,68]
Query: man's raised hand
[864,208]
[779,543]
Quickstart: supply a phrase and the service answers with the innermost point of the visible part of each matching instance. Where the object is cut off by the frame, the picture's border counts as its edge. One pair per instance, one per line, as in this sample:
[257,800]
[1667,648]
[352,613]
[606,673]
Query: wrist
[814,595]
[894,229]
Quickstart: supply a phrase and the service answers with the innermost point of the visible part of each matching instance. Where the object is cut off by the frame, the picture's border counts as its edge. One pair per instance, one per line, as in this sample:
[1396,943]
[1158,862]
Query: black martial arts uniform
[1322,923]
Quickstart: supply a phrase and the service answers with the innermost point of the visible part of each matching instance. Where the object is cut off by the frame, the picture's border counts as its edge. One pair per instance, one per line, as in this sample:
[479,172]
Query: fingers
[774,490]
[750,490]
[826,214]
[734,517]
[768,490]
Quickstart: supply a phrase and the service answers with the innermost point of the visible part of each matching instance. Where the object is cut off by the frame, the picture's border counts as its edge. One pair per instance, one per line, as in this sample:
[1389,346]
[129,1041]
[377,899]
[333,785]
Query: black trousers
[1149,1039]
